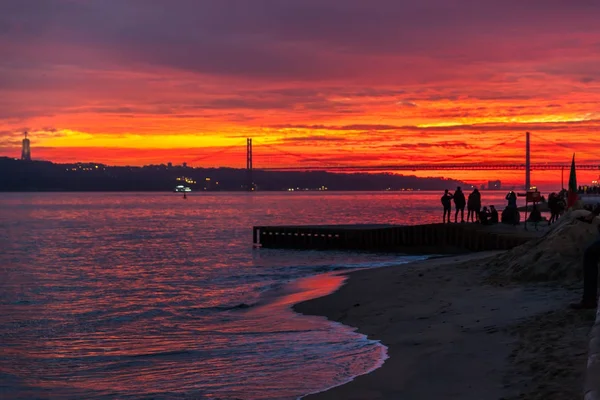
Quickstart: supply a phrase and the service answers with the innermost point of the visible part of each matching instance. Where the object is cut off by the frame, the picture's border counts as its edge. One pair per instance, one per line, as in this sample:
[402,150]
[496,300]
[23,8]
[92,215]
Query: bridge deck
[432,238]
[440,167]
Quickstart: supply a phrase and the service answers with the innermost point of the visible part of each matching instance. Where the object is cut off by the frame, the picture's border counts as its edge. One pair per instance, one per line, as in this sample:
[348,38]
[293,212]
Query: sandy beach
[454,333]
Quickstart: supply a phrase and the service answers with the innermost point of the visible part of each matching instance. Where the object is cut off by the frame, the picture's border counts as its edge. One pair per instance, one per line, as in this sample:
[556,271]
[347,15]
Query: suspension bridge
[441,167]
[304,163]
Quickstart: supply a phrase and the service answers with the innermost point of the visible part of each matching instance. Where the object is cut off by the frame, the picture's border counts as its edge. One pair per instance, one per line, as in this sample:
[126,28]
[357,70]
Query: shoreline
[450,335]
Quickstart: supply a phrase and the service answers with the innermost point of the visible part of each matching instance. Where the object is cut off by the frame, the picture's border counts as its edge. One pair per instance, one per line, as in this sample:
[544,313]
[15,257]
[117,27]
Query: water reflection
[144,295]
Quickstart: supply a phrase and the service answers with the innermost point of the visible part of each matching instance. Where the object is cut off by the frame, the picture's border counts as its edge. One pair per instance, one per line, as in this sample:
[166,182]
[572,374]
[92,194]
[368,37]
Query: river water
[147,295]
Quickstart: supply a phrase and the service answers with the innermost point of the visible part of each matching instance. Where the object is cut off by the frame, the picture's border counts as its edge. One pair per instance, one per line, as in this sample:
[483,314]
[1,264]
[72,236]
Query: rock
[558,255]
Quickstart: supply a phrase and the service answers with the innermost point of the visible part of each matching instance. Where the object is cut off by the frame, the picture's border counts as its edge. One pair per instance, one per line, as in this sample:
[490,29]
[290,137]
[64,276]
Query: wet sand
[451,334]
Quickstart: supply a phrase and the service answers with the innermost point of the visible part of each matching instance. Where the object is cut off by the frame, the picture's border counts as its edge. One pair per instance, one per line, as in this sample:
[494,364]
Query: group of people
[488,216]
[473,203]
[557,206]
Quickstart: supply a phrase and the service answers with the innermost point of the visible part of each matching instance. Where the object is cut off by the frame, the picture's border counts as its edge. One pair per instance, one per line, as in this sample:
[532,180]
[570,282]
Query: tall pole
[527,162]
[249,182]
[562,178]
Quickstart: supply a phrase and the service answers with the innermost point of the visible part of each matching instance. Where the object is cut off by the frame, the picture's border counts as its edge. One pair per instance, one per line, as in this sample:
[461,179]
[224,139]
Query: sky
[312,82]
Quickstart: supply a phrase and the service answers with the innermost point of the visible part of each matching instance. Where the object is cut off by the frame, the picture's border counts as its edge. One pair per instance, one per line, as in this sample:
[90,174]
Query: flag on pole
[572,195]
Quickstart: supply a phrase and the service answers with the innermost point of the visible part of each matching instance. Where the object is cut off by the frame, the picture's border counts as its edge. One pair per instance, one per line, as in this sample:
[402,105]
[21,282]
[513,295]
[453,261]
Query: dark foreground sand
[452,336]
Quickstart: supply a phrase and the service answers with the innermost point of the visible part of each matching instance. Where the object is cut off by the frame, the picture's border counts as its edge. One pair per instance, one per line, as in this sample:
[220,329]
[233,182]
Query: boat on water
[181,188]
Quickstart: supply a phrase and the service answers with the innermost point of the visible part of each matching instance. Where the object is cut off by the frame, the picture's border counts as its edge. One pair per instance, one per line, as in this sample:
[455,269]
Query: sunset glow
[312,82]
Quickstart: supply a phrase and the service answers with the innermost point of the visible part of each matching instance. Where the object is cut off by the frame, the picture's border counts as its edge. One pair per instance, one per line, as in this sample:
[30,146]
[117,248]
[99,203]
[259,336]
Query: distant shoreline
[219,191]
[522,208]
[16,175]
[224,191]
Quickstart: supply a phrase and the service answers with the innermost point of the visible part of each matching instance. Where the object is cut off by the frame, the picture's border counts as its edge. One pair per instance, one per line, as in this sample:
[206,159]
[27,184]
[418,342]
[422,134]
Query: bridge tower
[527,161]
[26,149]
[249,180]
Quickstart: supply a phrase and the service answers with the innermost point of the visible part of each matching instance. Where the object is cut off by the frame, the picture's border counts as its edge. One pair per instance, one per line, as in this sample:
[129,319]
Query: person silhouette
[471,208]
[484,216]
[512,199]
[459,203]
[591,257]
[510,215]
[494,219]
[447,204]
[473,205]
[477,201]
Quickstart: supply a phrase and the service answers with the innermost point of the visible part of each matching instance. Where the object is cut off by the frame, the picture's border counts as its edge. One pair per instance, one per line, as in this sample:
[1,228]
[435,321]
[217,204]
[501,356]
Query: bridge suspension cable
[299,156]
[540,137]
[221,151]
[324,163]
[493,147]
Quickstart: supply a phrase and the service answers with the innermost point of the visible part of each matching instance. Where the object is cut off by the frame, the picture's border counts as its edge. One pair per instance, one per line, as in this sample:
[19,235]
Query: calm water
[147,295]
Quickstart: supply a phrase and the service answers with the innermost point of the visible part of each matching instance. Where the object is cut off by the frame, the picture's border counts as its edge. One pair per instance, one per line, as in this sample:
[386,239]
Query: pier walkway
[431,238]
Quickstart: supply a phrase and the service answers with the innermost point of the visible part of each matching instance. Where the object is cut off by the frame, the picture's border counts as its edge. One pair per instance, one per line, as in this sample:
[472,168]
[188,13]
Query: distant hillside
[16,175]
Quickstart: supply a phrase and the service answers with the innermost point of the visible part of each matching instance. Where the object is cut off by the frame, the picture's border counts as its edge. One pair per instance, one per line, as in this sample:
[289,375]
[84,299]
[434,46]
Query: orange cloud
[417,83]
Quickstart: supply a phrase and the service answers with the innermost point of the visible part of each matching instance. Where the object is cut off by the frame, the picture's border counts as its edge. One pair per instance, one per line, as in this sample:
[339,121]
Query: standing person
[459,203]
[510,215]
[474,205]
[561,206]
[512,199]
[477,202]
[471,207]
[553,206]
[447,203]
[591,256]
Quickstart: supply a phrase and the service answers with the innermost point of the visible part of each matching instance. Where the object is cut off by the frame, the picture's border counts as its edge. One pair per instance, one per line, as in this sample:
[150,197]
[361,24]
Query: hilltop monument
[26,149]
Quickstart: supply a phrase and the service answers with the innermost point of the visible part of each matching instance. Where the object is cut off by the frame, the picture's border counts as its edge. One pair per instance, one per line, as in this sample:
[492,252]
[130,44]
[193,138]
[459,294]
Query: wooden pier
[431,238]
